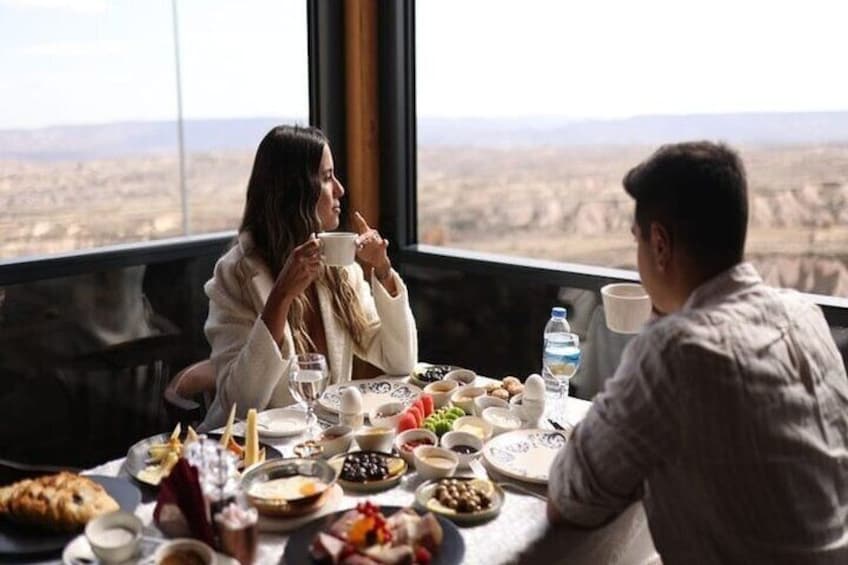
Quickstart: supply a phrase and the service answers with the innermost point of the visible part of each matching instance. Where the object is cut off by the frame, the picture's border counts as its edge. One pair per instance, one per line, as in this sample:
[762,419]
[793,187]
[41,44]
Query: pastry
[513,386]
[501,393]
[63,502]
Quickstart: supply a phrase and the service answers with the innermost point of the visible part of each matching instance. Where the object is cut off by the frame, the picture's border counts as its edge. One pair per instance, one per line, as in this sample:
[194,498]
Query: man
[728,415]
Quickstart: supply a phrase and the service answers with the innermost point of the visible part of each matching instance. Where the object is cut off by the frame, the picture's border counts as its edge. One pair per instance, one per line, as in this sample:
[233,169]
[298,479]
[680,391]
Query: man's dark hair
[698,191]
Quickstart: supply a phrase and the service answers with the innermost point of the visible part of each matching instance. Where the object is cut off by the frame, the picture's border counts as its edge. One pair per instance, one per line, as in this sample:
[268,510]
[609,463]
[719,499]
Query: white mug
[338,248]
[626,307]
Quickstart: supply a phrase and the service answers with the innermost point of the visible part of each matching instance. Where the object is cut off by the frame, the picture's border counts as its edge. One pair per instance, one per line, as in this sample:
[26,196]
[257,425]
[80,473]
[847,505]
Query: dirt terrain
[567,204]
[552,202]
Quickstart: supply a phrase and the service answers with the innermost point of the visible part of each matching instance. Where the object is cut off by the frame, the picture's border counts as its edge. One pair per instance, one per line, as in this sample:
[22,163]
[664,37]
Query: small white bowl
[464,397]
[391,413]
[374,438]
[115,536]
[335,440]
[426,458]
[486,401]
[441,392]
[501,419]
[413,435]
[462,376]
[200,549]
[453,439]
[475,426]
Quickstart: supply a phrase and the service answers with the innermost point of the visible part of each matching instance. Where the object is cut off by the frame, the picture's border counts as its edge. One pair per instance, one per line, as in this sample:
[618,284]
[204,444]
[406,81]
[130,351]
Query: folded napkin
[181,507]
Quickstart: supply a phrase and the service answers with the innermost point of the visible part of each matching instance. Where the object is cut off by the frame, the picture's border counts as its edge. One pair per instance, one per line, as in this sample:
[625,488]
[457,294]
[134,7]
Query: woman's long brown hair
[280,214]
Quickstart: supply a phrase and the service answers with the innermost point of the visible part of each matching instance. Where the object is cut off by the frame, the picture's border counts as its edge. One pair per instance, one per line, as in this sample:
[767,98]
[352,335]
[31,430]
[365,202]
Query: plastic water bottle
[560,360]
[554,337]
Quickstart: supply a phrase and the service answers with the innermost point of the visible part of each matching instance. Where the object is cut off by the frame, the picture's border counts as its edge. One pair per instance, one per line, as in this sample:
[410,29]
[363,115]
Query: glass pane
[244,70]
[89,145]
[527,124]
[90,356]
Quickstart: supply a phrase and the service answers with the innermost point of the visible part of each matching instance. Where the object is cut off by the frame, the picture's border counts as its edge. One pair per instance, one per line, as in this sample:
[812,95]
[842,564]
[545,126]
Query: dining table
[519,533]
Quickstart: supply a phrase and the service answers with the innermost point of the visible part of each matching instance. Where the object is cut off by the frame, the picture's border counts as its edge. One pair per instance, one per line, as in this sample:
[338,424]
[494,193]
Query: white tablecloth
[520,528]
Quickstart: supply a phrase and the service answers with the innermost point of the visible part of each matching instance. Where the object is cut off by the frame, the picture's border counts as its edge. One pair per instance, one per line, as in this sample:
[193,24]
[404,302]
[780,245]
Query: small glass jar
[217,469]
[238,532]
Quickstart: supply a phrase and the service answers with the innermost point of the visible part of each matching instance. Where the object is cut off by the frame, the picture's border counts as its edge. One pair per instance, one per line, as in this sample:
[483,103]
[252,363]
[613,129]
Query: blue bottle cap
[558,312]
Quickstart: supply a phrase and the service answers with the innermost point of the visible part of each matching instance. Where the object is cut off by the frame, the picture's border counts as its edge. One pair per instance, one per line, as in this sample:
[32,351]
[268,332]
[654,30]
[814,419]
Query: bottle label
[561,357]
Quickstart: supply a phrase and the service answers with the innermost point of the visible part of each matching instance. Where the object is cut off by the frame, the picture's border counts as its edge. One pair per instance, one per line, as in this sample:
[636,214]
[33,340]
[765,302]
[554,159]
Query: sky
[618,58]
[99,61]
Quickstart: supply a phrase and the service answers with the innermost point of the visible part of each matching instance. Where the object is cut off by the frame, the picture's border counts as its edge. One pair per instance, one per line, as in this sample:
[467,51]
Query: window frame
[399,190]
[398,184]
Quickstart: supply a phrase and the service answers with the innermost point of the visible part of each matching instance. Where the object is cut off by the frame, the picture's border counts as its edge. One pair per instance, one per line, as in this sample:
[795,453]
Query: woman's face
[329,206]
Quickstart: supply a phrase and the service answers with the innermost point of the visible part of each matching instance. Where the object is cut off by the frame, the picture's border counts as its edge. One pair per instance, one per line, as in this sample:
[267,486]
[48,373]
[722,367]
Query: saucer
[282,422]
[78,551]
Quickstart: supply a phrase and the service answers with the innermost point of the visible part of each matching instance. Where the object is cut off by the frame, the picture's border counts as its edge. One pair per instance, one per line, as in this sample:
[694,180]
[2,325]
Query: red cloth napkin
[181,489]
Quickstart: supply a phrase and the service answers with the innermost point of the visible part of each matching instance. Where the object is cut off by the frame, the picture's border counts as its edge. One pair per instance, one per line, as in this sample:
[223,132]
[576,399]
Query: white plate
[281,422]
[79,551]
[374,393]
[425,492]
[368,486]
[525,455]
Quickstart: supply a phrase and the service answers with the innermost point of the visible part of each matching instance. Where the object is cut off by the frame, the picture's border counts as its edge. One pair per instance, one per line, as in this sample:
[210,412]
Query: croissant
[63,502]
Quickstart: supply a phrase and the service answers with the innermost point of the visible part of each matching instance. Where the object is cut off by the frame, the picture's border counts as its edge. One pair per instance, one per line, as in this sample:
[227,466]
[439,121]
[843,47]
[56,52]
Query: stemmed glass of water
[308,379]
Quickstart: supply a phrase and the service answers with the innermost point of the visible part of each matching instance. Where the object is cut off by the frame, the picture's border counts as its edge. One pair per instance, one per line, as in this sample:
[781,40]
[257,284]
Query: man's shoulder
[669,330]
[677,338]
[762,309]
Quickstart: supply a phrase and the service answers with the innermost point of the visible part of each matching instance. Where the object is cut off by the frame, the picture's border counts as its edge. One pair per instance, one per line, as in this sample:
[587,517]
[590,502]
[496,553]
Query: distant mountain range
[133,138]
[765,128]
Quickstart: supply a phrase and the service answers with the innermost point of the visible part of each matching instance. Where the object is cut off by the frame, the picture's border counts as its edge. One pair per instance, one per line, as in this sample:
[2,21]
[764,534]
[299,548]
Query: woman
[271,297]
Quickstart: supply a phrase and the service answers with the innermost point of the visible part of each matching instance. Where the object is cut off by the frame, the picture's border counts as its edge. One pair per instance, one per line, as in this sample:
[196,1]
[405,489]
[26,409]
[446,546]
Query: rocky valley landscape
[550,193]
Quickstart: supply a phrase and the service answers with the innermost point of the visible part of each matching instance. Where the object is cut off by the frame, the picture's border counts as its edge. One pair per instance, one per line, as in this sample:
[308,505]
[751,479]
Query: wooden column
[363,143]
[363,182]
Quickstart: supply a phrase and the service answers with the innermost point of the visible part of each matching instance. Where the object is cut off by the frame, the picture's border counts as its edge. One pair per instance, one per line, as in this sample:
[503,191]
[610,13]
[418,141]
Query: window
[527,123]
[90,123]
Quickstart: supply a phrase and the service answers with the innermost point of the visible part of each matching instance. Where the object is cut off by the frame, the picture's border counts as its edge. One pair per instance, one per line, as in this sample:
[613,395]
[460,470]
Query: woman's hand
[302,267]
[371,247]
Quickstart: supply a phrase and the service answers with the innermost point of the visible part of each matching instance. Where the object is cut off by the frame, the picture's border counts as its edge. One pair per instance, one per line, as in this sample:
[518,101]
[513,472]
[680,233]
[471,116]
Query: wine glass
[561,361]
[308,379]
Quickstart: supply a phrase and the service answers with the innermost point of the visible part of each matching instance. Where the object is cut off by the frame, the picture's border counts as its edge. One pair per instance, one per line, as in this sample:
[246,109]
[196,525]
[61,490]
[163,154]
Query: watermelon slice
[406,422]
[427,401]
[416,411]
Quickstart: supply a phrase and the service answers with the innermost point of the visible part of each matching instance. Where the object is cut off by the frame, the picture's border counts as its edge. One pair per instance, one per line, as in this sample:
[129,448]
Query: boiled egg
[351,402]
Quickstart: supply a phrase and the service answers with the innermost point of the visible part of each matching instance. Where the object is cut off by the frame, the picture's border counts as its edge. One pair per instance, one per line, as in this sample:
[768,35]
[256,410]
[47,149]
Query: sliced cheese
[228,431]
[251,442]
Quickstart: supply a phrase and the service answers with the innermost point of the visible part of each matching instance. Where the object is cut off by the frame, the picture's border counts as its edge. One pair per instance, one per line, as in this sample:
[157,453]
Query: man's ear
[661,246]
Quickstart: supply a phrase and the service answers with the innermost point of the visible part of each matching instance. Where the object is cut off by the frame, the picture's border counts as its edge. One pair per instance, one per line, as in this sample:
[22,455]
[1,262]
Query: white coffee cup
[626,307]
[339,248]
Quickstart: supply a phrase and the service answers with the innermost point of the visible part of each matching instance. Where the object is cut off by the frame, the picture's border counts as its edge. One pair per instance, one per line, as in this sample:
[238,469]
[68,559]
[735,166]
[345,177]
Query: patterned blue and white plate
[374,393]
[525,455]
